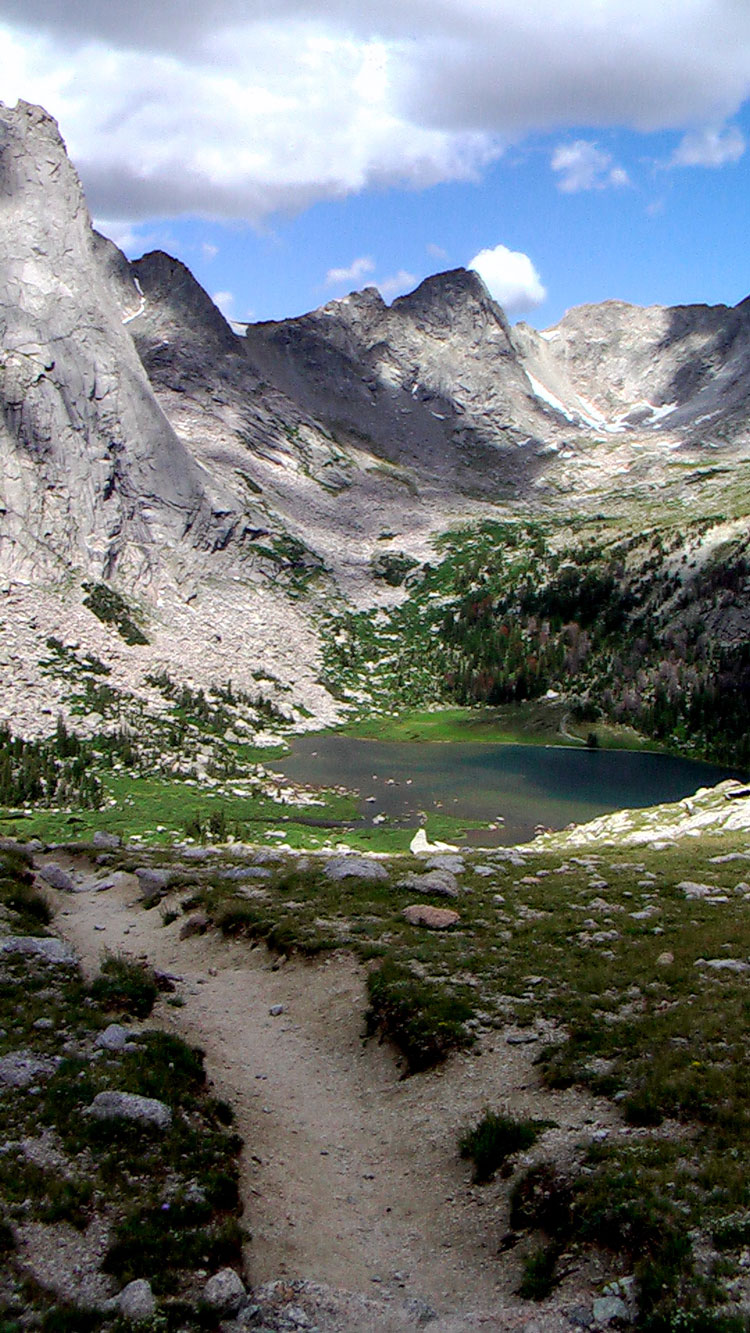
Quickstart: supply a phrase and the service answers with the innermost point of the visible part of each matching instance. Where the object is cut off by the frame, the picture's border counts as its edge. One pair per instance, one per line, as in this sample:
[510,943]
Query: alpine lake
[502,793]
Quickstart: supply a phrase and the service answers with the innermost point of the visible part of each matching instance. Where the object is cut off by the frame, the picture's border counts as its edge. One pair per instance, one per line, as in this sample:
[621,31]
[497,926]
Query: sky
[290,151]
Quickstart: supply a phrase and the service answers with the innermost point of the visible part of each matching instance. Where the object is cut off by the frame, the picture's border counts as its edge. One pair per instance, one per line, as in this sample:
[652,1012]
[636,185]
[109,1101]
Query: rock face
[93,475]
[434,381]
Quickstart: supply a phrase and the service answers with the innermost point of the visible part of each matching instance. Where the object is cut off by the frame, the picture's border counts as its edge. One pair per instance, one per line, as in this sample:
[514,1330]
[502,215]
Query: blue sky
[290,152]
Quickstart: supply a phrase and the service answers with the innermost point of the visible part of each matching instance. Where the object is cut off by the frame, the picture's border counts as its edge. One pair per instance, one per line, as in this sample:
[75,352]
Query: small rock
[296,1316]
[57,877]
[360,867]
[136,1301]
[225,1291]
[129,1106]
[43,1024]
[521,1038]
[152,882]
[420,1311]
[197,924]
[607,1308]
[113,1038]
[20,1069]
[433,918]
[439,882]
[107,840]
[275,1010]
[665,959]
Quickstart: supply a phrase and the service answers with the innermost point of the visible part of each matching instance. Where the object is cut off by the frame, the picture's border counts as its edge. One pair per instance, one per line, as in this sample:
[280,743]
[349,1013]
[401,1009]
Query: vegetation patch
[423,1020]
[125,986]
[111,608]
[615,621]
[494,1139]
[169,1196]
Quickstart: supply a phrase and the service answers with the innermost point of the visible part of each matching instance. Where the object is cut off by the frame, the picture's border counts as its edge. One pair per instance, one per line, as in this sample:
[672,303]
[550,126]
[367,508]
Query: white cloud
[124,235]
[710,147]
[320,98]
[583,166]
[396,285]
[225,302]
[437,252]
[209,251]
[510,278]
[357,270]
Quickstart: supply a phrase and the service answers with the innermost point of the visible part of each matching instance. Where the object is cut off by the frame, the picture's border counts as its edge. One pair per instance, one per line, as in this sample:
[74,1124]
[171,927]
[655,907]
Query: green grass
[125,986]
[423,1020]
[494,1139]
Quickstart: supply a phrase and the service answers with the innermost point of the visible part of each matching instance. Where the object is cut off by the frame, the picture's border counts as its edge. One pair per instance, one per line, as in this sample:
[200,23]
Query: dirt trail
[350,1175]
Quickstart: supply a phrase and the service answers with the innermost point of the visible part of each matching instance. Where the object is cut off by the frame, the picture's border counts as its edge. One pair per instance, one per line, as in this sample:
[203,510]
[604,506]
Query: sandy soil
[350,1175]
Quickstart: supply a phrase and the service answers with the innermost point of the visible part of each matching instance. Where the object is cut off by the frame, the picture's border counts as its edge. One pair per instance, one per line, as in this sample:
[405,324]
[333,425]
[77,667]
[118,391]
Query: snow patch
[546,396]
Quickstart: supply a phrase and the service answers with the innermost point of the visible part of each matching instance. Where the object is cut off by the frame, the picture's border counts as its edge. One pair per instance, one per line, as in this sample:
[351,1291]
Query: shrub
[494,1139]
[125,985]
[539,1274]
[425,1021]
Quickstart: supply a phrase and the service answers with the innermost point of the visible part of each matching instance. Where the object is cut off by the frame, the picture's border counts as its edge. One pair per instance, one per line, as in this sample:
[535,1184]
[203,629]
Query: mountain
[93,474]
[237,489]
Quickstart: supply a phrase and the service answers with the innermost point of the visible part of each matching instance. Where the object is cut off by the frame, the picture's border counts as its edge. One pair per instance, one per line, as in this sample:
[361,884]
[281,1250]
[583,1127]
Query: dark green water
[518,786]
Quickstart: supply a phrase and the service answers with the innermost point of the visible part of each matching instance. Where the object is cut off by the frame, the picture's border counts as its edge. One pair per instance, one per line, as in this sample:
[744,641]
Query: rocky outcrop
[433,382]
[93,475]
[624,368]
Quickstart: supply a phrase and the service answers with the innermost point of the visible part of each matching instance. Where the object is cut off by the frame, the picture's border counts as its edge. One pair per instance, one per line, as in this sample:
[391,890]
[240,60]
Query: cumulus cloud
[510,278]
[357,270]
[227,109]
[225,302]
[710,147]
[583,166]
[400,282]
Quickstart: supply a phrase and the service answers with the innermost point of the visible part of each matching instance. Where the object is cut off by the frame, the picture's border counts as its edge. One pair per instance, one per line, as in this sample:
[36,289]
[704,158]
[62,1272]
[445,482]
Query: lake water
[519,787]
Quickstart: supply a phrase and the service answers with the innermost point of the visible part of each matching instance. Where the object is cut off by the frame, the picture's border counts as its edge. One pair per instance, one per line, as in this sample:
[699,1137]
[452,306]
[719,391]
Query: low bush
[494,1139]
[422,1019]
[126,986]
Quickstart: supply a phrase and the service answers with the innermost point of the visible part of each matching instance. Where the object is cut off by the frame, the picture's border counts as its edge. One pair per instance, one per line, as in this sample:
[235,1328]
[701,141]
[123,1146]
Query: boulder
[433,918]
[441,883]
[106,841]
[225,1291]
[129,1106]
[359,867]
[57,877]
[19,1069]
[455,864]
[36,946]
[114,1038]
[136,1301]
[152,881]
[197,924]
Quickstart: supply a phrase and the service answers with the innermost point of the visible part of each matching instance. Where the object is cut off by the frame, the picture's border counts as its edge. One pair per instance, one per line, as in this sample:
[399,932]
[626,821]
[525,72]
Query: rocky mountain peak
[92,474]
[455,301]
